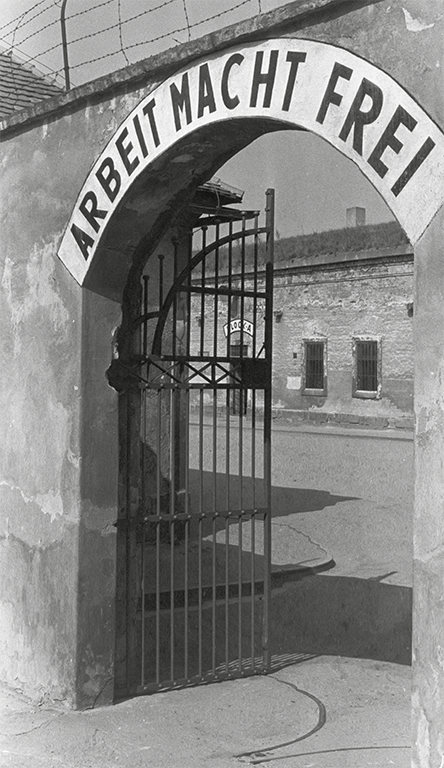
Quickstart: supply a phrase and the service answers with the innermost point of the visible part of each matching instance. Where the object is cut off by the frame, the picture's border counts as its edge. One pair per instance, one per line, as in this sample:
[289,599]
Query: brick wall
[337,299]
[337,302]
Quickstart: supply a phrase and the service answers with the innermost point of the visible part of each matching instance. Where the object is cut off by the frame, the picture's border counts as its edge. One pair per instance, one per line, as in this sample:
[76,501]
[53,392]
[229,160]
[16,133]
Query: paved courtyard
[335,697]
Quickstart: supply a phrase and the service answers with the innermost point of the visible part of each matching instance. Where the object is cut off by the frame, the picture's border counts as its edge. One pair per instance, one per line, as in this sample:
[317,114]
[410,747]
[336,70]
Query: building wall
[57,593]
[58,452]
[335,303]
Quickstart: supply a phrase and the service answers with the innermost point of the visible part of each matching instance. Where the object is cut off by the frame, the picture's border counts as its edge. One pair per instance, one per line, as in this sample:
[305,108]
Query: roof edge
[346,257]
[31,66]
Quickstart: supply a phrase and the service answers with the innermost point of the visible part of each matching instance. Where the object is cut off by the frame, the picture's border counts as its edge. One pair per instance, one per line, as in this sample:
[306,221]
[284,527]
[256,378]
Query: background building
[342,330]
[343,341]
[22,84]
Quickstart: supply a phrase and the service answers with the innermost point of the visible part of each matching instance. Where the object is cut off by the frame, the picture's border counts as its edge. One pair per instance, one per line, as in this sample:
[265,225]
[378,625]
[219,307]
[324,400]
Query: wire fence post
[65,45]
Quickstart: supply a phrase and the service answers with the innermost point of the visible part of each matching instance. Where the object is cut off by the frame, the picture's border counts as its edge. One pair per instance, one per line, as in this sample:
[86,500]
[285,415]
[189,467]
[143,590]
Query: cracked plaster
[415,24]
[42,299]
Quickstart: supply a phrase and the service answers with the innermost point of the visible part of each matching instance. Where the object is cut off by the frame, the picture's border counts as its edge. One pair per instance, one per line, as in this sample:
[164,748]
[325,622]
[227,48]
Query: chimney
[355,217]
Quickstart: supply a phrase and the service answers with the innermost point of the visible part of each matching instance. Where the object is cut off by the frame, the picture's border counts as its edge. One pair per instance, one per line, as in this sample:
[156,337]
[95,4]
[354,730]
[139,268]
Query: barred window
[367,368]
[314,367]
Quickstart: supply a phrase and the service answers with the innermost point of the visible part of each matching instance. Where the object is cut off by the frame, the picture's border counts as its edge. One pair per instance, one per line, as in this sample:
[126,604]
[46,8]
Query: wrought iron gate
[195,525]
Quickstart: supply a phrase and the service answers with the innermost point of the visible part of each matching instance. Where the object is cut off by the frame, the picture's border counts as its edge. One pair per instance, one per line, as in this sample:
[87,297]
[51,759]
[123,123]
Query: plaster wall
[57,508]
[428,541]
[59,448]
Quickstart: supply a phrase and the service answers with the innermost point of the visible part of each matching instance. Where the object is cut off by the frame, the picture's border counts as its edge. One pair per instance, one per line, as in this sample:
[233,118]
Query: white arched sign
[337,95]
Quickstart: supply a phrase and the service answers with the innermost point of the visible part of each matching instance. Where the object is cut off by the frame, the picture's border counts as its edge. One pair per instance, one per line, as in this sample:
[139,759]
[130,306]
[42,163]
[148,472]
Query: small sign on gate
[238,325]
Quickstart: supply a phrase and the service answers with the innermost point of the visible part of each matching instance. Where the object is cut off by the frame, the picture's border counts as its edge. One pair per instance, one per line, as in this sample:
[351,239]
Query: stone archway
[53,146]
[139,183]
[207,112]
[58,487]
[346,100]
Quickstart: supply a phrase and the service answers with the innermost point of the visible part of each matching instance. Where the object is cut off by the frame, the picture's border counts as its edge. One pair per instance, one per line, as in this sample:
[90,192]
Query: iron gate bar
[209,291]
[172,489]
[143,458]
[227,446]
[173,298]
[158,497]
[204,514]
[202,308]
[187,474]
[253,442]
[267,420]
[215,345]
[201,491]
[145,313]
[127,538]
[223,591]
[160,262]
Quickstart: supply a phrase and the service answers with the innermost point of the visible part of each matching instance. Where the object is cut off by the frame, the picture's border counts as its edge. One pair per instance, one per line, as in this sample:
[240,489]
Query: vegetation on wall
[335,241]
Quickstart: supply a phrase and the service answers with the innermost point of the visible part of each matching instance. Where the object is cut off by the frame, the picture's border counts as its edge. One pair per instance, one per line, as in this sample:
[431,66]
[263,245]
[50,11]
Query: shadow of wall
[342,616]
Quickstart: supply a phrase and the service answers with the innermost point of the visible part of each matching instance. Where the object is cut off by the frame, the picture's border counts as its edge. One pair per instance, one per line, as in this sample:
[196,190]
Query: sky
[314,183]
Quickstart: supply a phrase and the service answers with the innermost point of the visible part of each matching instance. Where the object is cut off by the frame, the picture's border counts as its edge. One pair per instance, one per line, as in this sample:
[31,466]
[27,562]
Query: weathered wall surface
[58,448]
[57,501]
[428,542]
[334,304]
[40,451]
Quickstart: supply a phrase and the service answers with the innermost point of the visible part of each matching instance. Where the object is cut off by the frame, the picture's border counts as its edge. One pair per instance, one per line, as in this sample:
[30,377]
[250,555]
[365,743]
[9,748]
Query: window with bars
[367,368]
[314,367]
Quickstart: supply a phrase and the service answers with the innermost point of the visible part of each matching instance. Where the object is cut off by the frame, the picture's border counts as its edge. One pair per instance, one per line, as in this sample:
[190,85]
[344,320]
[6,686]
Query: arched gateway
[281,83]
[366,76]
[183,532]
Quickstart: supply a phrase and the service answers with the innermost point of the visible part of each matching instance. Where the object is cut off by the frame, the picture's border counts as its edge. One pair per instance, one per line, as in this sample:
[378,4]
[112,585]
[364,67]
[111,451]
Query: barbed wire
[89,10]
[17,18]
[49,8]
[125,21]
[33,34]
[108,29]
[55,22]
[122,48]
[14,29]
[160,37]
[186,18]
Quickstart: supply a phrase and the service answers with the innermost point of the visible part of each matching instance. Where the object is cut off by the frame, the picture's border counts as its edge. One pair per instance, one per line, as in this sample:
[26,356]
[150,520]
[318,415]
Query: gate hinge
[124,522]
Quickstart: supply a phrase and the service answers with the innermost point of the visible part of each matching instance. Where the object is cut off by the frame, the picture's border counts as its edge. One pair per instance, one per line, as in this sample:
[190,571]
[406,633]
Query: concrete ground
[320,712]
[335,697]
[351,491]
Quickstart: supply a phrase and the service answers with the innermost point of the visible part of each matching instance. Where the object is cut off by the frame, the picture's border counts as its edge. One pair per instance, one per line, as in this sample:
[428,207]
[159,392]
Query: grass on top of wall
[335,241]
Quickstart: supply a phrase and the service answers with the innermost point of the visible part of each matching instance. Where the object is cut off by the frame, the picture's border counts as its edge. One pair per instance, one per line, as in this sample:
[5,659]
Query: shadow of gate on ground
[311,614]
